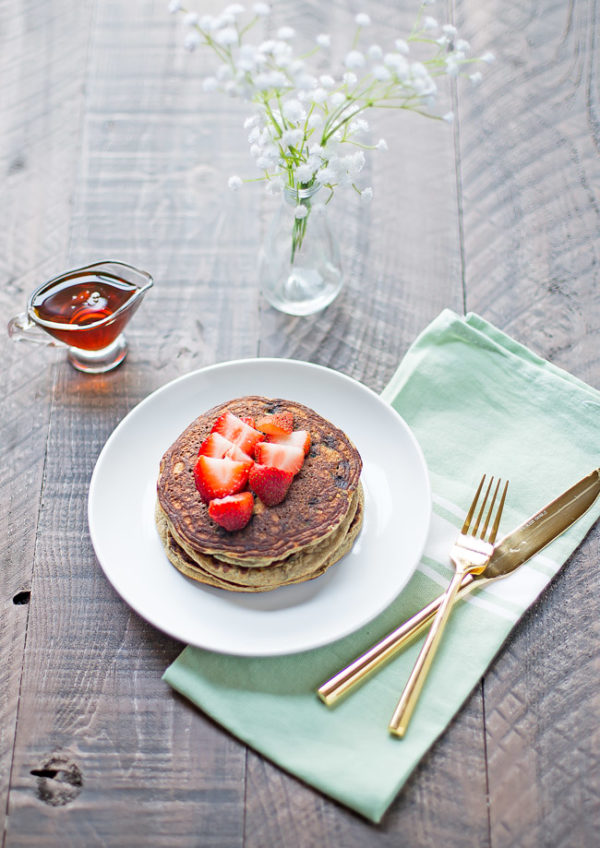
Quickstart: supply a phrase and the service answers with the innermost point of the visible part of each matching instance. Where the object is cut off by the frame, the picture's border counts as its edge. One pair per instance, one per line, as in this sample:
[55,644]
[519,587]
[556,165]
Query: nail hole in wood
[22,598]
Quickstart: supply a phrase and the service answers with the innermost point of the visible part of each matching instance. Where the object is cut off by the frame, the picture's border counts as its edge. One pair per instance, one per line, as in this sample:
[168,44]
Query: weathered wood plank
[530,181]
[40,120]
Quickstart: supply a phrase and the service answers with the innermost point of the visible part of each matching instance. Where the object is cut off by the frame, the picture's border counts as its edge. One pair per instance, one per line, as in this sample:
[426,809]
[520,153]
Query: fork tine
[467,521]
[490,510]
[496,524]
[482,507]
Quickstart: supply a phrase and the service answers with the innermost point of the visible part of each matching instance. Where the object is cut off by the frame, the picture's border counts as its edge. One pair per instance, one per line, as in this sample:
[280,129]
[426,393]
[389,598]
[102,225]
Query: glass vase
[299,262]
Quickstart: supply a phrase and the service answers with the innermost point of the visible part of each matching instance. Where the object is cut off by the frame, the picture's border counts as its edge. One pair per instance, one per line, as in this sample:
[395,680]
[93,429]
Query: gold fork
[469,555]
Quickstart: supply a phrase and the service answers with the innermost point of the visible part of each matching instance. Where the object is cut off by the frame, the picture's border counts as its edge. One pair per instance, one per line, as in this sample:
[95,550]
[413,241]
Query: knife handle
[373,659]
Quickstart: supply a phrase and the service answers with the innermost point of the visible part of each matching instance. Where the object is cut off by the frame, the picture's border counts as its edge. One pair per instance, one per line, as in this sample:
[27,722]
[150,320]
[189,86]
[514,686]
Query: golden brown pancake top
[316,503]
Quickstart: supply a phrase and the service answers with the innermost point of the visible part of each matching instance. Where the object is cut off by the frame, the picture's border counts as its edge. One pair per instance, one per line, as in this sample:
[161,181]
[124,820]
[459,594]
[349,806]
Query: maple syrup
[81,301]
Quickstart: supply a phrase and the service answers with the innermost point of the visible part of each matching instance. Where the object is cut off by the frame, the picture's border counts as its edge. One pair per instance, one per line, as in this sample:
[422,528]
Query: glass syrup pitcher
[86,310]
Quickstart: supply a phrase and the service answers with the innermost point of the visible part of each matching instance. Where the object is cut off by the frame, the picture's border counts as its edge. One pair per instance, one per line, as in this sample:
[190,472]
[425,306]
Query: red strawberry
[299,439]
[286,457]
[269,483]
[217,446]
[247,419]
[237,431]
[233,511]
[278,424]
[216,478]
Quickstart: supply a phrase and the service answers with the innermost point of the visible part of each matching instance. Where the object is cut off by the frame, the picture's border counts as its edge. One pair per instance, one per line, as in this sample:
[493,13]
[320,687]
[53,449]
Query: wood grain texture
[109,147]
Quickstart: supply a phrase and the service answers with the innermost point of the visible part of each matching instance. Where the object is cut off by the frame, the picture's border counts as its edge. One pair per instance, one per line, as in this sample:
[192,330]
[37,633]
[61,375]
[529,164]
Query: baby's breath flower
[488,58]
[307,127]
[192,40]
[448,117]
[285,33]
[354,60]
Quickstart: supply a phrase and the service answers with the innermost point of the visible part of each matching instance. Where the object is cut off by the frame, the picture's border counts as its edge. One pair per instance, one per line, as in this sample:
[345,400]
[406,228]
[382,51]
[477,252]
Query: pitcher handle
[23,329]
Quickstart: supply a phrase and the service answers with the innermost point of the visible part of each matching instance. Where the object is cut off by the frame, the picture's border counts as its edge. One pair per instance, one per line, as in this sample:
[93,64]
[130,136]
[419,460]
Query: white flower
[476,77]
[226,36]
[326,175]
[381,144]
[366,194]
[449,30]
[234,183]
[293,110]
[291,138]
[337,99]
[300,212]
[305,172]
[429,23]
[190,19]
[323,40]
[402,46]
[285,33]
[362,19]
[315,121]
[381,73]
[462,45]
[192,40]
[375,53]
[210,84]
[448,117]
[488,58]
[358,125]
[174,6]
[354,60]
[251,121]
[234,9]
[319,95]
[261,9]
[327,81]
[350,78]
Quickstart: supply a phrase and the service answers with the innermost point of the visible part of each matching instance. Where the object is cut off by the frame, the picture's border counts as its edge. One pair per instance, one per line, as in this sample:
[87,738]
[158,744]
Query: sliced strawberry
[278,424]
[238,432]
[216,478]
[270,484]
[218,446]
[287,457]
[233,511]
[298,438]
[247,419]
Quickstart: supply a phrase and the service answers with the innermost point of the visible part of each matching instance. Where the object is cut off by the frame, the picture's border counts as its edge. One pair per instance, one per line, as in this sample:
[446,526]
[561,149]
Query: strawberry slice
[217,446]
[216,478]
[238,432]
[298,438]
[233,511]
[286,457]
[247,419]
[278,424]
[270,484]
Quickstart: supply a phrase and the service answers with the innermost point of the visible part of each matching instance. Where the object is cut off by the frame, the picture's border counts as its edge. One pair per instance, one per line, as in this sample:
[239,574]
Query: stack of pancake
[296,540]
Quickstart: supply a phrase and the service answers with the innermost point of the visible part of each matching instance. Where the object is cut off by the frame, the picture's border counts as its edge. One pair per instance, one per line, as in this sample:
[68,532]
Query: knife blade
[514,549]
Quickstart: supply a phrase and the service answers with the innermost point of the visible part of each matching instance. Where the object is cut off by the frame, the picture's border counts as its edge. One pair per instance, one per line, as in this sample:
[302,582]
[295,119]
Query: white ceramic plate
[289,619]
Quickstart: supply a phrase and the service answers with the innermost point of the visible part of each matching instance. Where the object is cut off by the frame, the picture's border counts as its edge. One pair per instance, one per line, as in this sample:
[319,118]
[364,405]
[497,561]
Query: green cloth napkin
[477,401]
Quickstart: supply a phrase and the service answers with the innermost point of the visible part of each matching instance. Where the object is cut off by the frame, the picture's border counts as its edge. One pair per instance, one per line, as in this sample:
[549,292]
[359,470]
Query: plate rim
[253,362]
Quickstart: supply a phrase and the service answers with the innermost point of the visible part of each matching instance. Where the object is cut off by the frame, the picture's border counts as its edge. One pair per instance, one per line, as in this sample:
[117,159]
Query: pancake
[295,569]
[317,502]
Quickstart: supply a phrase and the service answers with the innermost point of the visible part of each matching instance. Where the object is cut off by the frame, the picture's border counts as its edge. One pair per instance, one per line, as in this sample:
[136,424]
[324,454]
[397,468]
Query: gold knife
[510,552]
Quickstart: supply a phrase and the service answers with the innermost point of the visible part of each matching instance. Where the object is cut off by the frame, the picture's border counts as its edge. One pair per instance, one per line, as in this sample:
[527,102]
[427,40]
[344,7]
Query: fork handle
[357,671]
[408,700]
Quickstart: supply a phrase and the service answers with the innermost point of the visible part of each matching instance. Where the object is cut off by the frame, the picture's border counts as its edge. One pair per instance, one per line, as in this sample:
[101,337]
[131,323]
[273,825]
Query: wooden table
[109,148]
